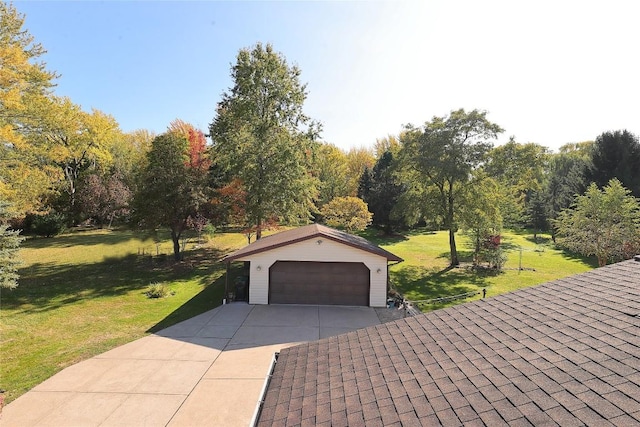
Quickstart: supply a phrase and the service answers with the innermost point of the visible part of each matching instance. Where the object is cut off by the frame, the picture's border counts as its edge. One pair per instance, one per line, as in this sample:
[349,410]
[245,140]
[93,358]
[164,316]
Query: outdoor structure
[315,264]
[564,353]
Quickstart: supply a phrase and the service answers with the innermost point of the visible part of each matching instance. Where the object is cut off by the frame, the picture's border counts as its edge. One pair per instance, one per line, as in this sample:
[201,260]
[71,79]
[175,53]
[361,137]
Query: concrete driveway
[205,371]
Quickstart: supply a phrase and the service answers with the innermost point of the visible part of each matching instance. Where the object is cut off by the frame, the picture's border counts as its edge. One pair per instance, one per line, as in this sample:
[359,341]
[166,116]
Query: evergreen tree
[9,246]
[616,155]
[384,191]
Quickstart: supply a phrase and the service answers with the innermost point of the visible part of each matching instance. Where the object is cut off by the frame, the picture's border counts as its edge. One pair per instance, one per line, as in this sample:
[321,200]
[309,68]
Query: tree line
[264,163]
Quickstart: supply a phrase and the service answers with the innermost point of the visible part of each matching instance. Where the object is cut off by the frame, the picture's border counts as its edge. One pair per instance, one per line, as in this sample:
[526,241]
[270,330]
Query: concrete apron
[206,371]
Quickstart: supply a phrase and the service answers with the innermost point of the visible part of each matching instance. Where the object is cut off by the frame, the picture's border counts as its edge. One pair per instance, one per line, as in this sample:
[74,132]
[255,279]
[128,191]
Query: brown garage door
[331,283]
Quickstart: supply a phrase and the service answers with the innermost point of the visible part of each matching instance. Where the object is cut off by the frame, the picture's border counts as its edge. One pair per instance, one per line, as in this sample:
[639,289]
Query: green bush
[209,230]
[49,225]
[158,290]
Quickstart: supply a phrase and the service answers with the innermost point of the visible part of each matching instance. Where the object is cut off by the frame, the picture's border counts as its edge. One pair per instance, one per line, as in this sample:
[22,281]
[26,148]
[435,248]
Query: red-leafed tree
[104,198]
[198,150]
[173,187]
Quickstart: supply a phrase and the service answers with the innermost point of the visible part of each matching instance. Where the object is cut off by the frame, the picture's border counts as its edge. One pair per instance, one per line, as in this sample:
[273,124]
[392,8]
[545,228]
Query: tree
[520,170]
[565,178]
[129,154]
[76,142]
[602,223]
[443,154]
[616,155]
[537,214]
[480,215]
[9,246]
[349,213]
[389,143]
[358,159]
[171,189]
[262,137]
[380,190]
[24,81]
[104,197]
[330,168]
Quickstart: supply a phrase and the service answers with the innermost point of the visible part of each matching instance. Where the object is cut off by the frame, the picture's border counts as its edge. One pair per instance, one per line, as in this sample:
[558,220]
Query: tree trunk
[175,237]
[452,247]
[452,231]
[259,229]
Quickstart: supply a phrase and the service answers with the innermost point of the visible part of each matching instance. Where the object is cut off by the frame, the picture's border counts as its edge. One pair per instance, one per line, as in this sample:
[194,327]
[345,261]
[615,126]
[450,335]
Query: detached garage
[316,265]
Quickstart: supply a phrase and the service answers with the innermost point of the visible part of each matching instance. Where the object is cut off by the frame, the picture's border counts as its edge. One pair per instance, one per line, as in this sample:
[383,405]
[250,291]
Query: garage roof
[563,353]
[307,232]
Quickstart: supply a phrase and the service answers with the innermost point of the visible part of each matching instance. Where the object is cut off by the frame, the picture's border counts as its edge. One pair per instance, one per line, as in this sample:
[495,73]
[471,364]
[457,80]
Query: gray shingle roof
[563,353]
[309,232]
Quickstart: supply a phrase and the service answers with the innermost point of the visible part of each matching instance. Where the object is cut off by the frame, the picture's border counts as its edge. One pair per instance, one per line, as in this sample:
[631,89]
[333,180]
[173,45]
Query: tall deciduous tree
[330,168]
[566,178]
[75,141]
[444,154]
[520,170]
[358,159]
[616,155]
[603,223]
[261,135]
[170,189]
[24,81]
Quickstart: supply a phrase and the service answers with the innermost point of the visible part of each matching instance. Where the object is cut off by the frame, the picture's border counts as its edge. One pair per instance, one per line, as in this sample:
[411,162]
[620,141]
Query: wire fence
[412,307]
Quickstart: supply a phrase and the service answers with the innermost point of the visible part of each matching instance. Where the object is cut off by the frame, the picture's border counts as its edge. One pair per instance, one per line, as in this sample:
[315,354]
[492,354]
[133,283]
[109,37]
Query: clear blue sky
[549,72]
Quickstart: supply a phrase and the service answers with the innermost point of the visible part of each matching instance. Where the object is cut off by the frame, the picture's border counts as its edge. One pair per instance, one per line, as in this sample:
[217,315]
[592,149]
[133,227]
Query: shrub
[158,290]
[209,230]
[496,257]
[49,225]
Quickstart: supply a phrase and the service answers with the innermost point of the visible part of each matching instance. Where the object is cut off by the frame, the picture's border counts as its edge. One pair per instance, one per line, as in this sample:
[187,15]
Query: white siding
[310,250]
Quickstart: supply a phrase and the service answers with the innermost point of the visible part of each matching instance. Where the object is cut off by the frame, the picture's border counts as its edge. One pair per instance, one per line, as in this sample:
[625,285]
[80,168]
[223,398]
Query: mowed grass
[82,293]
[425,274]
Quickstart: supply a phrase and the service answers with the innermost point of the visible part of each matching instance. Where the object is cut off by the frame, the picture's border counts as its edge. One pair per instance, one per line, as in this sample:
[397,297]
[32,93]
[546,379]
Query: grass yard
[425,274]
[82,293]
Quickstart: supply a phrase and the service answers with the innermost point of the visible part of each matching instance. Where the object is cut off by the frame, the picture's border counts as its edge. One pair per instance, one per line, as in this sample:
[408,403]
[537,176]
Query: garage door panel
[334,283]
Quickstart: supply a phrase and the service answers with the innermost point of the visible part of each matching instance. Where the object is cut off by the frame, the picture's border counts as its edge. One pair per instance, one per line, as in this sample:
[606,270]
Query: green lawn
[425,274]
[82,293]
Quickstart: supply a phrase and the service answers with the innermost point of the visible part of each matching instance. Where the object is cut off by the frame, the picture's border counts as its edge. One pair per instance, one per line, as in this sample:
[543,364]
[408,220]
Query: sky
[549,72]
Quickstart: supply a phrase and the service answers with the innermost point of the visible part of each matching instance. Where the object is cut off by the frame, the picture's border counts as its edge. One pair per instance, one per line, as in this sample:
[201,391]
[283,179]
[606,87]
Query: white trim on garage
[317,249]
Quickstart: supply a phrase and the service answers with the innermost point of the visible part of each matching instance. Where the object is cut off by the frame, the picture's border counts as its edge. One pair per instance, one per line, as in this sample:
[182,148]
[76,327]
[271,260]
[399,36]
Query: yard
[82,293]
[425,275]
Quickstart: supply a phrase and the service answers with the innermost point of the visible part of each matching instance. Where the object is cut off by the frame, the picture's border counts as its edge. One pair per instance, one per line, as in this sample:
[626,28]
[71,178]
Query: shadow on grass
[209,298]
[48,286]
[98,236]
[591,261]
[463,255]
[422,283]
[80,238]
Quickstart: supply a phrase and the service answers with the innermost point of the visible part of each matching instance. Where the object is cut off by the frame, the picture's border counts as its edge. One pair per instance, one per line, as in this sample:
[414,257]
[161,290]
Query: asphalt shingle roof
[309,232]
[564,353]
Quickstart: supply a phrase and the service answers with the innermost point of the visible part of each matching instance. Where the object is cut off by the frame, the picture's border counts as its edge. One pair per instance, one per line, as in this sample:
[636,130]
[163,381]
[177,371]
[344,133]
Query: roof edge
[384,253]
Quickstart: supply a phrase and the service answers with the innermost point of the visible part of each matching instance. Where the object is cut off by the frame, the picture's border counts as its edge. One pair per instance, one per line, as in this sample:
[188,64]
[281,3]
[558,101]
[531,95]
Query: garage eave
[308,232]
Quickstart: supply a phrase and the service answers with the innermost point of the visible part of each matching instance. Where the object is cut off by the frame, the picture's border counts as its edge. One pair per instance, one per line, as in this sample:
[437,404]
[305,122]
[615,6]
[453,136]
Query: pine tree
[9,245]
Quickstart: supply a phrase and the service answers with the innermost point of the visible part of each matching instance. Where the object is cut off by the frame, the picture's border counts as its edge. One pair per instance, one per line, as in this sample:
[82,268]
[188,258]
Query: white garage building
[316,264]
